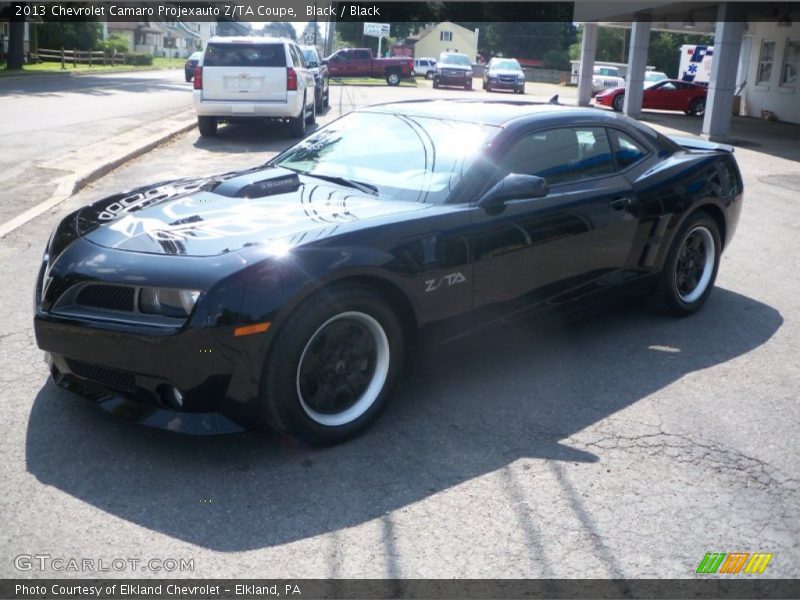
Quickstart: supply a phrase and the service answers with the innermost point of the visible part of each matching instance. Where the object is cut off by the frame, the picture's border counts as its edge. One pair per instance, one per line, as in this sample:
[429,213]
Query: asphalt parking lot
[628,444]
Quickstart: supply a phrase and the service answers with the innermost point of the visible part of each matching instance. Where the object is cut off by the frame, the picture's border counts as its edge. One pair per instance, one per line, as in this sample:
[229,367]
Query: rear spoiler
[695,144]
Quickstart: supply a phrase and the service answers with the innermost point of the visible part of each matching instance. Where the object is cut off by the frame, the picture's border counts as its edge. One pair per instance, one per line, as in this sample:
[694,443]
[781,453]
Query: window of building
[446,36]
[791,63]
[765,63]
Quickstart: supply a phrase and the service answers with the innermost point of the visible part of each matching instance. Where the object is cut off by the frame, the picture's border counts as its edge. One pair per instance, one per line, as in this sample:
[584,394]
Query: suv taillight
[291,79]
[198,78]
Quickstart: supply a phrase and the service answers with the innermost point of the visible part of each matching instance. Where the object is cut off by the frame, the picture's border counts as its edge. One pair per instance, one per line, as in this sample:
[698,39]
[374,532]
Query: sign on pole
[378,30]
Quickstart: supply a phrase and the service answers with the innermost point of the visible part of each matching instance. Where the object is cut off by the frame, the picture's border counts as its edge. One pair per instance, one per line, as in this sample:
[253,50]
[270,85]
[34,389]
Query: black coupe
[288,296]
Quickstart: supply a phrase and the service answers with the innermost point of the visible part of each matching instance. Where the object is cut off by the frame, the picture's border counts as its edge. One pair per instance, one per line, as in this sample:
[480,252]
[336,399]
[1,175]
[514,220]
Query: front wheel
[326,97]
[337,360]
[435,84]
[691,266]
[619,103]
[312,115]
[393,78]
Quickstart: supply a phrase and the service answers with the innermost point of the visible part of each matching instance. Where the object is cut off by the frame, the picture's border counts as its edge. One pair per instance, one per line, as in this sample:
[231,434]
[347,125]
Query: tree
[280,29]
[86,35]
[16,39]
[556,59]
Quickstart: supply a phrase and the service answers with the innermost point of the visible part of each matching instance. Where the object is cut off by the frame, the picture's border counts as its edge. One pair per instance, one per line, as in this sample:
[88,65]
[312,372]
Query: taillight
[291,80]
[198,78]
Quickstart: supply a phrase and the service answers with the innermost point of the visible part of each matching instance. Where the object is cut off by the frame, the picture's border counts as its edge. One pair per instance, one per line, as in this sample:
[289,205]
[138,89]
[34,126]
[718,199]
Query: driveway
[625,444]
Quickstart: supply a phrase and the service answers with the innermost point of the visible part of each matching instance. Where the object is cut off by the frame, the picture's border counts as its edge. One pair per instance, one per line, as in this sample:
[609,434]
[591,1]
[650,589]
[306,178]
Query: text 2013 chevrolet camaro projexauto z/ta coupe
[288,296]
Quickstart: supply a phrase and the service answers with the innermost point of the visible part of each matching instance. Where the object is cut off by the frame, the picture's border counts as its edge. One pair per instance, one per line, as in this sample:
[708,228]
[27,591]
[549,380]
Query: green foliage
[139,60]
[556,59]
[113,42]
[281,29]
[67,35]
[663,53]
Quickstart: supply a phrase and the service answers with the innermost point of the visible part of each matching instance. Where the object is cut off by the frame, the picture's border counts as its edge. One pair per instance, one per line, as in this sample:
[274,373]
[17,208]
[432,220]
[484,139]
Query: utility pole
[16,38]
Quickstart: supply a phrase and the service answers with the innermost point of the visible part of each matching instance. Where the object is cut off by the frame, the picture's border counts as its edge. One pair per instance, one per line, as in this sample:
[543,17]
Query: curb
[71,184]
[67,74]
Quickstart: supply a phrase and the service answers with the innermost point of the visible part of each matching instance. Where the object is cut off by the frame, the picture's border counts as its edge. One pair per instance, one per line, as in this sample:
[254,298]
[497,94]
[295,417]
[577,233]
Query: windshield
[455,59]
[505,64]
[408,158]
[654,76]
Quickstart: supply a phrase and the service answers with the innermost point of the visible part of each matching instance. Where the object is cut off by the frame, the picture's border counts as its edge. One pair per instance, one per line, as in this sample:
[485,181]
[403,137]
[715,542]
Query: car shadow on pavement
[258,136]
[468,409]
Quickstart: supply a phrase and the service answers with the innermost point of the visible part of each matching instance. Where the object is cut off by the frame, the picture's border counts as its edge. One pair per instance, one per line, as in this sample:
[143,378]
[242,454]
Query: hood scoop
[260,184]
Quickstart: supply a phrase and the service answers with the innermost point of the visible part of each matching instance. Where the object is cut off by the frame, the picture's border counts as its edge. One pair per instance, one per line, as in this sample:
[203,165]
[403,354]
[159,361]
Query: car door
[304,74]
[582,231]
[663,95]
[338,64]
[362,63]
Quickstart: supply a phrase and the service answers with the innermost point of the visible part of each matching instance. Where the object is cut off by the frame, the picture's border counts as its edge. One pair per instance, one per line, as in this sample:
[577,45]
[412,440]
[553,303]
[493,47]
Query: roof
[487,112]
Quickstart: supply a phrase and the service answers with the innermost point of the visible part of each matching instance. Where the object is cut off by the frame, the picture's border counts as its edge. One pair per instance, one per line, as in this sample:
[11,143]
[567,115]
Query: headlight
[438,71]
[167,302]
[521,77]
[468,73]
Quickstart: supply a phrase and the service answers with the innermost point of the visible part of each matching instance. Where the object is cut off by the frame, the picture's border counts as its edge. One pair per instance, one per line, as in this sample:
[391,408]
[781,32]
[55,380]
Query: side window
[562,155]
[627,151]
[361,55]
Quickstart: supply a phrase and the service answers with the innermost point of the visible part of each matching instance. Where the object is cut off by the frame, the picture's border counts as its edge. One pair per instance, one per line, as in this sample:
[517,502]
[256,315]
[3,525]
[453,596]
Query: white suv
[253,77]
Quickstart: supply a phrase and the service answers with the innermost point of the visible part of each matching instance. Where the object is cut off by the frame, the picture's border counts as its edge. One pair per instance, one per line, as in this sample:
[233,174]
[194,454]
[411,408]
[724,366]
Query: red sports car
[667,94]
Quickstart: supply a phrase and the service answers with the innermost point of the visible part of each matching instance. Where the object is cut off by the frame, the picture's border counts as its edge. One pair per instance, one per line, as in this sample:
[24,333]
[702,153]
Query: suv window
[245,55]
[562,155]
[627,151]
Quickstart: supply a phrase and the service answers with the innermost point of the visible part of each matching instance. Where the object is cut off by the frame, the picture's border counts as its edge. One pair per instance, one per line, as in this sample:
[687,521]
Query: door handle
[620,202]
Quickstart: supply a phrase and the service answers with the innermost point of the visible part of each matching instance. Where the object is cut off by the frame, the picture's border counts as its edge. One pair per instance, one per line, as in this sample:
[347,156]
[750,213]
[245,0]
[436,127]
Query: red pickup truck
[359,62]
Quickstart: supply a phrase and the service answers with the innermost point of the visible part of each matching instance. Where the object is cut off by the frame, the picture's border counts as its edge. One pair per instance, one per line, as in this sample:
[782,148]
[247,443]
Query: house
[174,39]
[445,37]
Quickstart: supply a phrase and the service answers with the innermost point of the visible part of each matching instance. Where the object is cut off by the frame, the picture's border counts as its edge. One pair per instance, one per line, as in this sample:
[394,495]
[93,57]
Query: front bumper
[499,84]
[454,80]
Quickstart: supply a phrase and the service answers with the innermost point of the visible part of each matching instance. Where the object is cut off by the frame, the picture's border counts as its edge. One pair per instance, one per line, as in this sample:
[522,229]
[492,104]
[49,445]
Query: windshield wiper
[367,188]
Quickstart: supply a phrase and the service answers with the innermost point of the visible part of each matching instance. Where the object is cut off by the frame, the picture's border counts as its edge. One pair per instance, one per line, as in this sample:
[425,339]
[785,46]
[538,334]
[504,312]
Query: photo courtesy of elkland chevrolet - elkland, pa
[289,296]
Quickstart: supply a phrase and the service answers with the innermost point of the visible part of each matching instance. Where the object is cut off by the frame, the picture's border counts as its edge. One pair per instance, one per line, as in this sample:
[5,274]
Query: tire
[429,75]
[618,103]
[308,373]
[297,125]
[318,101]
[468,86]
[312,117]
[189,78]
[690,268]
[698,107]
[207,126]
[393,78]
[436,84]
[326,95]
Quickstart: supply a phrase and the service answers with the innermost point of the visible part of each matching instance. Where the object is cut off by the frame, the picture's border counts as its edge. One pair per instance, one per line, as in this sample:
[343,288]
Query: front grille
[118,380]
[110,297]
[508,78]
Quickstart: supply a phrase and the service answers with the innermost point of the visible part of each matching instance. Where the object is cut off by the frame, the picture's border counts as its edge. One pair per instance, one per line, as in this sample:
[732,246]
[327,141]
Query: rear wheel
[429,75]
[326,97]
[698,107]
[297,125]
[618,104]
[435,84]
[207,126]
[340,356]
[691,266]
[393,78]
[312,115]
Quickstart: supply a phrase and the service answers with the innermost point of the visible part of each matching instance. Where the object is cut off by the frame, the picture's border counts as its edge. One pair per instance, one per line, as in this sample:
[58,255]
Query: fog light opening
[171,397]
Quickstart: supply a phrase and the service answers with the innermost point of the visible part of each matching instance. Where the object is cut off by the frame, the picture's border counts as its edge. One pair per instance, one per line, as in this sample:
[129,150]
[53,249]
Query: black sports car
[288,296]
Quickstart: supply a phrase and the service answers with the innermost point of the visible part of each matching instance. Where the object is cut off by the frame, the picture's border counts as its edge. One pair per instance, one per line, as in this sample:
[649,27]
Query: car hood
[211,216]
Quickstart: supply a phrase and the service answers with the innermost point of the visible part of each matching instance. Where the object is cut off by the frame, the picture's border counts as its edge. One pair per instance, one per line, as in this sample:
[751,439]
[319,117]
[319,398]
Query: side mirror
[514,187]
[324,61]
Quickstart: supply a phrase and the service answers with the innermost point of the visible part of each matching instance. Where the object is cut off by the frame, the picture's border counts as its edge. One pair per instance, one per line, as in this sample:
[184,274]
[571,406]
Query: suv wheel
[207,126]
[297,125]
[312,116]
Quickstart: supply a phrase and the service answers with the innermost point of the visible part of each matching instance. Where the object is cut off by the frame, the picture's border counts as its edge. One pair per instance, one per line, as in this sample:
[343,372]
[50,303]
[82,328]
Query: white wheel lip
[370,395]
[708,268]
